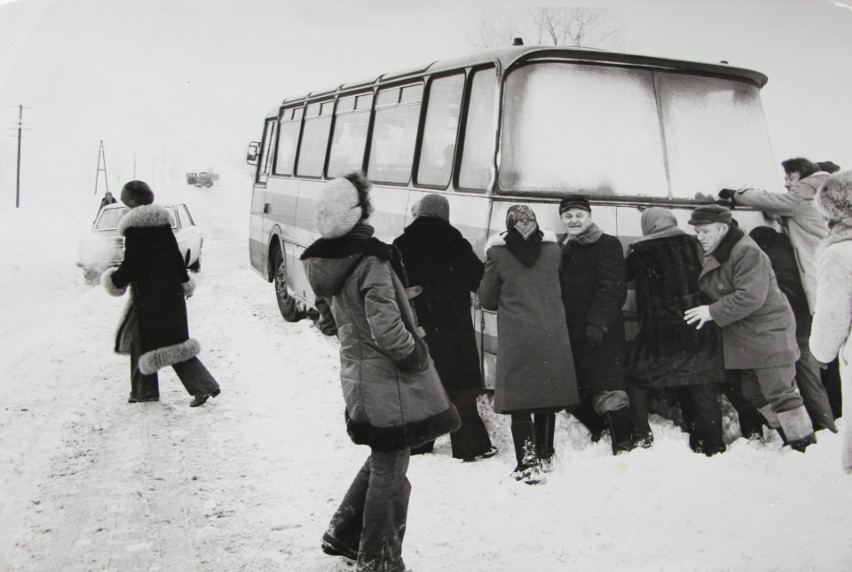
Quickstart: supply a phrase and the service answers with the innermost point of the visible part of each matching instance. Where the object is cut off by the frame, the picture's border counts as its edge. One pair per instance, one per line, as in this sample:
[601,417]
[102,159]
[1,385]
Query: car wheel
[287,305]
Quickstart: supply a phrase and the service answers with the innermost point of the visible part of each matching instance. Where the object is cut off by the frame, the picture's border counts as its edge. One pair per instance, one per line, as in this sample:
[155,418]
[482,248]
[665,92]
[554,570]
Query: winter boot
[528,469]
[796,428]
[620,429]
[590,420]
[545,429]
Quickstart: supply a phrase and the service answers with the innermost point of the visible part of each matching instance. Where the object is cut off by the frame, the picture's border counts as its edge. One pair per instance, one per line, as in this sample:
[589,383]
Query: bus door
[257,237]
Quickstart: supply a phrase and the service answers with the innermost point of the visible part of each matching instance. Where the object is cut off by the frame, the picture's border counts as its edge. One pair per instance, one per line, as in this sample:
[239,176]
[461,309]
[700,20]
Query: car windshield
[629,132]
[108,219]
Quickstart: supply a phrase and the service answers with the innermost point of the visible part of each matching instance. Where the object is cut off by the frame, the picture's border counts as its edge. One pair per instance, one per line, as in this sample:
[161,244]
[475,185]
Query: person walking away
[594,289]
[832,326]
[442,263]
[755,319]
[777,247]
[394,398]
[804,225]
[668,353]
[535,369]
[154,329]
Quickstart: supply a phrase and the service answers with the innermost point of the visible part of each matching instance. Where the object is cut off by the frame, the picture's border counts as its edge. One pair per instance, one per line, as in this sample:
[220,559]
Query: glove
[418,360]
[594,335]
[727,194]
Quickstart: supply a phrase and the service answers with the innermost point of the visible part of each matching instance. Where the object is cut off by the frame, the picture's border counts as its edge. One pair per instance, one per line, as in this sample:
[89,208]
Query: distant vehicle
[103,247]
[190,178]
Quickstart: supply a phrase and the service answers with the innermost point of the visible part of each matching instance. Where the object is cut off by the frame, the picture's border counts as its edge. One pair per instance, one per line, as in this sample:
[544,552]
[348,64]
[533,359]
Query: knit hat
[338,209]
[655,219]
[436,206]
[710,214]
[137,193]
[522,219]
[834,198]
[574,202]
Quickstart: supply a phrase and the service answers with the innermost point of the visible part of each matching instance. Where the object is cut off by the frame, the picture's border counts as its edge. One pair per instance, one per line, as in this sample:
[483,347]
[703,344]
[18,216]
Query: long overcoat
[438,259]
[831,334]
[535,368]
[388,406]
[594,289]
[803,222]
[757,324]
[155,271]
[667,351]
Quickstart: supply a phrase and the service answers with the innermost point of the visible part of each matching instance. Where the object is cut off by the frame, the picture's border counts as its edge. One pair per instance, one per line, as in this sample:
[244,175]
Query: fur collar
[500,239]
[589,236]
[143,217]
[722,252]
[840,232]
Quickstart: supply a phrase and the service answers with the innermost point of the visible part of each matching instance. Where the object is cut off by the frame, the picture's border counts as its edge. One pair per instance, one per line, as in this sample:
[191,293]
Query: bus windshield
[631,132]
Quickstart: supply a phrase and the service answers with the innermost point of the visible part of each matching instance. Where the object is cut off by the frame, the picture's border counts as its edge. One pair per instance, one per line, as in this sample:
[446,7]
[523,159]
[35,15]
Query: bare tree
[578,27]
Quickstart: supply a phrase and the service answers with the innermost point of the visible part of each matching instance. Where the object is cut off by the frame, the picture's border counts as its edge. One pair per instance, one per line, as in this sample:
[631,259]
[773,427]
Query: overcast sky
[183,84]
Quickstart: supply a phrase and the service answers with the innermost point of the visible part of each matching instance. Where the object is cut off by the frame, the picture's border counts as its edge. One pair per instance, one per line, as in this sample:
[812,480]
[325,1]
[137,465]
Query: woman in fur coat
[535,369]
[394,398]
[667,353]
[154,328]
[832,326]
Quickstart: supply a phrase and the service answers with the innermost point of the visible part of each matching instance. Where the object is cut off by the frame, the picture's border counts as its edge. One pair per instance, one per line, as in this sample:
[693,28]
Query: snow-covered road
[249,481]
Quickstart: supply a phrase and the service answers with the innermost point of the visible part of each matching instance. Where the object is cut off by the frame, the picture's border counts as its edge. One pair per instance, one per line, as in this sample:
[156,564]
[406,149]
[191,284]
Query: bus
[520,124]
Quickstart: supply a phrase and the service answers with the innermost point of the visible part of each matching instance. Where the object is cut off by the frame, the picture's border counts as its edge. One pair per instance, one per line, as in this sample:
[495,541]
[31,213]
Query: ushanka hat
[522,219]
[834,198]
[338,209]
[574,202]
[709,214]
[137,193]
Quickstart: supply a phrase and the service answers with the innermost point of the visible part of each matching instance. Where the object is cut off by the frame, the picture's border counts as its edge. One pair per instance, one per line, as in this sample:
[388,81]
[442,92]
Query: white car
[104,247]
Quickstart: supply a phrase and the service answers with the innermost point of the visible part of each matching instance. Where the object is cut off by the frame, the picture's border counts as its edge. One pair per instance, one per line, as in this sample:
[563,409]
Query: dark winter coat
[594,289]
[668,352]
[391,403]
[535,368]
[758,329]
[438,259]
[155,271]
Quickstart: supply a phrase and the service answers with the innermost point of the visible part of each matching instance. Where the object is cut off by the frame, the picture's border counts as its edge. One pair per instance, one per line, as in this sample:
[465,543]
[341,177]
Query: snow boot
[796,428]
[620,429]
[590,420]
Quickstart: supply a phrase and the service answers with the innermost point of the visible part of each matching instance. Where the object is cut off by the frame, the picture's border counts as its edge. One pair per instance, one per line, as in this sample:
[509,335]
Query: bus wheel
[287,305]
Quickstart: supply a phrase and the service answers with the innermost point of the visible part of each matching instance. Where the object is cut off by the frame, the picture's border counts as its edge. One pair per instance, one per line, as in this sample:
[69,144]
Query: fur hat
[338,209]
[137,193]
[436,206]
[574,202]
[834,198]
[710,214]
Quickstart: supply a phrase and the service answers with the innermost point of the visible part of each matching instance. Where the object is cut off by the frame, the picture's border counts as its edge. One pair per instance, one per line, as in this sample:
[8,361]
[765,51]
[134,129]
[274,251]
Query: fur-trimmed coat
[439,260]
[803,222]
[594,289]
[154,270]
[535,367]
[757,324]
[668,352]
[389,404]
[831,331]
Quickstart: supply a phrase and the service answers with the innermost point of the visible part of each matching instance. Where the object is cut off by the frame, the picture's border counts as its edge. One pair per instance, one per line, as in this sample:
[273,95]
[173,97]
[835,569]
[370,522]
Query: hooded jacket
[390,405]
[155,271]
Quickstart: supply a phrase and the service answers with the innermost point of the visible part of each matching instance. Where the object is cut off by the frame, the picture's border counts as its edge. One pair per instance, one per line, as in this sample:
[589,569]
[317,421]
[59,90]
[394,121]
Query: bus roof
[509,56]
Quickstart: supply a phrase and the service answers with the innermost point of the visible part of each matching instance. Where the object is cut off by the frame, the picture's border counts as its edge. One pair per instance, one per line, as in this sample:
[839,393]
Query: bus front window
[613,131]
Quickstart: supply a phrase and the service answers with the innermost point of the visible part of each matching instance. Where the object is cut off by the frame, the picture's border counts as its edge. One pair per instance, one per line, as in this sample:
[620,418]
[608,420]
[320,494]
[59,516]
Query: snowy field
[249,481]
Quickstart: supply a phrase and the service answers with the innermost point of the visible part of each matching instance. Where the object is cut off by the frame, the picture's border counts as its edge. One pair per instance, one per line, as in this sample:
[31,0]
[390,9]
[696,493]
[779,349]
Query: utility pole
[18,180]
[101,155]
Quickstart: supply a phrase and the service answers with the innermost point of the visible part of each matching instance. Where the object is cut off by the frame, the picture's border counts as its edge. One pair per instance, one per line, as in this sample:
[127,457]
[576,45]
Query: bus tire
[287,305]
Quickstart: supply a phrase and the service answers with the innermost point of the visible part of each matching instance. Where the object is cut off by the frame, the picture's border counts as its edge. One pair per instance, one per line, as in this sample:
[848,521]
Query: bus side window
[314,139]
[264,160]
[288,140]
[395,133]
[438,146]
[349,139]
[479,132]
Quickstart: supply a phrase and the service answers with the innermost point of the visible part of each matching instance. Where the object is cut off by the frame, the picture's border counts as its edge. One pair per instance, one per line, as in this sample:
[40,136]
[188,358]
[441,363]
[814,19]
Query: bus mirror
[253,152]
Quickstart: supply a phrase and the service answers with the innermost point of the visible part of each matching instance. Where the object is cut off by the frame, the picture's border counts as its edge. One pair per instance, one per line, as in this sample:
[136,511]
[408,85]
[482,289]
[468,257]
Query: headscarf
[523,237]
[436,206]
[656,219]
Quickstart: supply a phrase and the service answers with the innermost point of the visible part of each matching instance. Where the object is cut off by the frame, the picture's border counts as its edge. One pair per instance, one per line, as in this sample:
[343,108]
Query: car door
[190,234]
